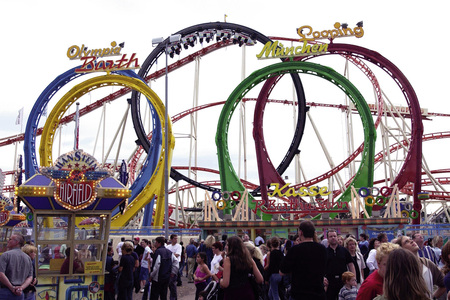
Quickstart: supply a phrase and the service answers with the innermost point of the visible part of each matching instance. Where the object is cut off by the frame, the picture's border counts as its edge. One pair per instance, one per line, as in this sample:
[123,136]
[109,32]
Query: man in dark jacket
[165,265]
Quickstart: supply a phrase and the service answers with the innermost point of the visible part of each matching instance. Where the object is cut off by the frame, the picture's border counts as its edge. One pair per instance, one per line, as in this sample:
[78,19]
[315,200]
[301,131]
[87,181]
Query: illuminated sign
[4,213]
[295,205]
[4,217]
[92,63]
[76,175]
[308,35]
[302,192]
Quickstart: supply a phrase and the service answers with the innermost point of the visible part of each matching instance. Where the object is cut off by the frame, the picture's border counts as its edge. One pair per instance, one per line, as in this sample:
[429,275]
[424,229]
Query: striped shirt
[348,294]
[428,252]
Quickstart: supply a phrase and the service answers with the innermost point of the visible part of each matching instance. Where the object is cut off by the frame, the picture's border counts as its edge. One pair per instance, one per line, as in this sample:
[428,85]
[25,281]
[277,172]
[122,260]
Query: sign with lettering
[294,204]
[76,175]
[308,40]
[92,62]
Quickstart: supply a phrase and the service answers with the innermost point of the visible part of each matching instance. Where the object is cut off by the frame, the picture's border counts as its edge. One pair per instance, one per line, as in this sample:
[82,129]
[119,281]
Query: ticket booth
[10,222]
[72,202]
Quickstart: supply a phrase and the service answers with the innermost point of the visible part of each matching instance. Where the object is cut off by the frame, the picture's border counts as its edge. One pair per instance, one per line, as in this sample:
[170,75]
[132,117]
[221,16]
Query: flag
[19,117]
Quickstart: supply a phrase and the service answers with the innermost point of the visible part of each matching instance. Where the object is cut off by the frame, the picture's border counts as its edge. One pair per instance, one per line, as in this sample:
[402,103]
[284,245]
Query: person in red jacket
[373,285]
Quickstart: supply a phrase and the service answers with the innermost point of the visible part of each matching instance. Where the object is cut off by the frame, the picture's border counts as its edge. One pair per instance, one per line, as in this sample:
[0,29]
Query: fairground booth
[362,213]
[72,202]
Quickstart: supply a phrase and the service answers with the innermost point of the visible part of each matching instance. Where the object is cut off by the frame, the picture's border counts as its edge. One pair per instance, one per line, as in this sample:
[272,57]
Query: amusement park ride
[390,154]
[76,198]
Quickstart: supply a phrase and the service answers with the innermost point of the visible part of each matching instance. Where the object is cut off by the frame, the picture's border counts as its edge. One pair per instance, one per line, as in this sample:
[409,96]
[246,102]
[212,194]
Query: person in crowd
[349,290]
[296,239]
[358,260]
[273,268]
[139,251]
[16,270]
[256,254]
[209,241]
[424,251]
[126,269]
[191,253]
[145,263]
[182,264]
[224,240]
[373,284]
[371,261]
[165,267]
[340,239]
[363,243]
[30,291]
[110,278]
[339,260]
[431,273]
[119,247]
[446,261]
[215,263]
[201,274]
[84,254]
[246,238]
[306,262]
[237,266]
[257,257]
[175,248]
[259,240]
[437,243]
[382,237]
[402,278]
[264,251]
[78,265]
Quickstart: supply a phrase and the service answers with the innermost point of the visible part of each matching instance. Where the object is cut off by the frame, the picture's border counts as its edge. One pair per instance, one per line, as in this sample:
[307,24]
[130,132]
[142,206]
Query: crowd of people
[301,267]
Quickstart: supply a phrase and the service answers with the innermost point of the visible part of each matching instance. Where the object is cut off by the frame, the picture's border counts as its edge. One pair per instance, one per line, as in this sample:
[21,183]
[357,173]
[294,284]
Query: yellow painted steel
[155,186]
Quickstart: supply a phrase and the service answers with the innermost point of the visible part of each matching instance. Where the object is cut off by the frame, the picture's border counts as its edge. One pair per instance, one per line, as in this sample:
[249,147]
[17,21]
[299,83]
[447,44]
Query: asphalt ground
[184,292]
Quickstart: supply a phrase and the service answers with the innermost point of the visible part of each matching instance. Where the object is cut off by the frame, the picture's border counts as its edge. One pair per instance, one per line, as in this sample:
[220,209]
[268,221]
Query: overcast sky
[37,34]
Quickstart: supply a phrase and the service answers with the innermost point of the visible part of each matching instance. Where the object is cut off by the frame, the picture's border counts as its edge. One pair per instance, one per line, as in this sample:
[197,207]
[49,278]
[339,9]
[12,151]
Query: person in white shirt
[145,263]
[215,263]
[119,247]
[176,250]
[259,240]
[371,262]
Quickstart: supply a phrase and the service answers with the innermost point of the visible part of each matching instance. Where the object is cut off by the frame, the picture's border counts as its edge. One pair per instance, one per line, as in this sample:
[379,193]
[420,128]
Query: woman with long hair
[209,241]
[238,266]
[403,277]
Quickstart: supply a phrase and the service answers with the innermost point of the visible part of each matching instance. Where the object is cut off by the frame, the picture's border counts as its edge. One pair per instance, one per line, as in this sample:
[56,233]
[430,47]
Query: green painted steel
[229,179]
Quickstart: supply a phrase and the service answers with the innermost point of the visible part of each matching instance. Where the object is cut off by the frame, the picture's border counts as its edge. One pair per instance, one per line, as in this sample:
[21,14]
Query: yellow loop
[367,203]
[405,213]
[221,204]
[154,185]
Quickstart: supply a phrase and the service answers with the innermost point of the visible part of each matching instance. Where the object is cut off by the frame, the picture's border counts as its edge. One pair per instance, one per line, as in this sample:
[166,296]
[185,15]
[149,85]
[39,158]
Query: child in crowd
[349,290]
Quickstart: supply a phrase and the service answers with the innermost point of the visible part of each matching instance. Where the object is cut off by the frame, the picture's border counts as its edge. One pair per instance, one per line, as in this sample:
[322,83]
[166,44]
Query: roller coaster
[410,172]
